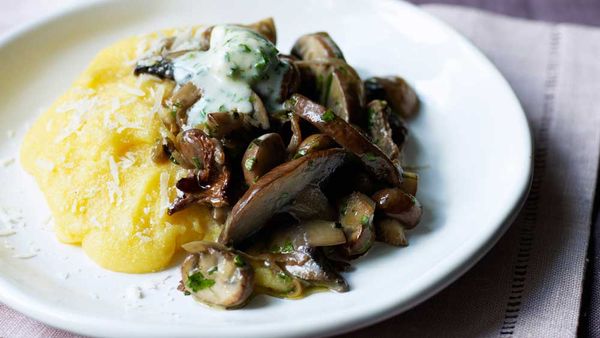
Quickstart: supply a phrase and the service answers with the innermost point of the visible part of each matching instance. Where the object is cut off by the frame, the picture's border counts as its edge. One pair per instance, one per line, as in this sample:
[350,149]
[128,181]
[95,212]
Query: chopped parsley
[249,164]
[197,282]
[212,270]
[328,116]
[239,262]
[245,48]
[283,276]
[364,220]
[197,163]
[286,248]
[370,157]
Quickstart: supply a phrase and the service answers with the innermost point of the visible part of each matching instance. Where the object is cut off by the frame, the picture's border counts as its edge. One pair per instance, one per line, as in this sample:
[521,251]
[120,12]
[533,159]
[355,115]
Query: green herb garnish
[197,163]
[370,157]
[239,262]
[212,270]
[249,164]
[197,282]
[364,220]
[328,116]
[245,48]
[283,276]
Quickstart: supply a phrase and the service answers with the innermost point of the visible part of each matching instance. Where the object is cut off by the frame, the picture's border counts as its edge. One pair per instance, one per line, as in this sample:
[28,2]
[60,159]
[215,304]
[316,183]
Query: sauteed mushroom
[316,46]
[347,136]
[275,190]
[216,275]
[262,155]
[399,205]
[396,91]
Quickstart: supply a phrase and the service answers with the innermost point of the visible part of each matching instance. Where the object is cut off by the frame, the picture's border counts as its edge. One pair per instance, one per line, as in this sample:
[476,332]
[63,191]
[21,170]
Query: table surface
[586,12]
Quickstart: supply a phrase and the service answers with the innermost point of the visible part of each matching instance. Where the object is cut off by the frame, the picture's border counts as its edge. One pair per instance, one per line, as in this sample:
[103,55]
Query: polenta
[91,155]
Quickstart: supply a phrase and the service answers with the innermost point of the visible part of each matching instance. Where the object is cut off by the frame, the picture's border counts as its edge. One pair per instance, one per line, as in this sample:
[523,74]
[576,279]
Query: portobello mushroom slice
[379,129]
[356,217]
[399,205]
[396,91]
[391,231]
[158,66]
[348,137]
[216,275]
[276,189]
[316,46]
[263,154]
[296,138]
[311,203]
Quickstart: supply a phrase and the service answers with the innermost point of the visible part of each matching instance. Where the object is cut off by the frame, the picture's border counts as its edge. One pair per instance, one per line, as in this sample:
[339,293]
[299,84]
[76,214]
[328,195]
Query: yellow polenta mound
[91,155]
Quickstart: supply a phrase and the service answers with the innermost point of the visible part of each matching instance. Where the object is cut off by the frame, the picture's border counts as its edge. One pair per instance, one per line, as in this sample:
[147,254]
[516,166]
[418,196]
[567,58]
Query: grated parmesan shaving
[158,98]
[131,90]
[164,191]
[7,161]
[44,164]
[25,255]
[114,192]
[7,232]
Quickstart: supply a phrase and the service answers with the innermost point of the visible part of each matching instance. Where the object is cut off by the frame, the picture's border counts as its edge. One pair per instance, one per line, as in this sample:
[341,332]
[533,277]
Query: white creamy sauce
[237,61]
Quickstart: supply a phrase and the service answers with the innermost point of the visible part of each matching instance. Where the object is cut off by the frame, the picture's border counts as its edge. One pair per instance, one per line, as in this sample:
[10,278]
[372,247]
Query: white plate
[471,136]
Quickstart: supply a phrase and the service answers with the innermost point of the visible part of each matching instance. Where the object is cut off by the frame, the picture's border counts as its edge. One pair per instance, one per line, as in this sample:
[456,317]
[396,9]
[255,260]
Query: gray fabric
[530,284]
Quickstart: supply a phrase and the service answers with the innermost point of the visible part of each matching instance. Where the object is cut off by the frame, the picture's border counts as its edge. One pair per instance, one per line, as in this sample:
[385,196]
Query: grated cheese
[164,191]
[25,255]
[114,191]
[7,161]
[44,164]
[7,232]
[131,90]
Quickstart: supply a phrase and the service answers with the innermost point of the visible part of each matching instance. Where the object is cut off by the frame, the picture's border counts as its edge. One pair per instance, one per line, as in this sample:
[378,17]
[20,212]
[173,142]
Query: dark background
[586,12]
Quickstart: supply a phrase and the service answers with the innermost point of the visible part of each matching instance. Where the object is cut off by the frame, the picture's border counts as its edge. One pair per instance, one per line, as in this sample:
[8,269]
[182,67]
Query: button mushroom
[396,91]
[347,136]
[316,46]
[181,100]
[356,217]
[275,190]
[266,28]
[397,204]
[391,231]
[216,276]
[263,154]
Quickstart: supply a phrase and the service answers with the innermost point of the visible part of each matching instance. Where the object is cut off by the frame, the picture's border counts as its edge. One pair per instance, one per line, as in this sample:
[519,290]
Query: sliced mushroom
[182,99]
[336,85]
[216,276]
[296,138]
[275,190]
[273,280]
[399,130]
[379,129]
[397,204]
[356,217]
[303,260]
[263,154]
[158,66]
[391,231]
[314,143]
[266,28]
[396,91]
[311,203]
[316,46]
[347,136]
[222,124]
[410,183]
[205,158]
[259,114]
[320,233]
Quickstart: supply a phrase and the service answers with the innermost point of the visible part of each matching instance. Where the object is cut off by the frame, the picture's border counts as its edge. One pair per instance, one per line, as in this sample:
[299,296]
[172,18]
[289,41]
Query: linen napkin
[530,283]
